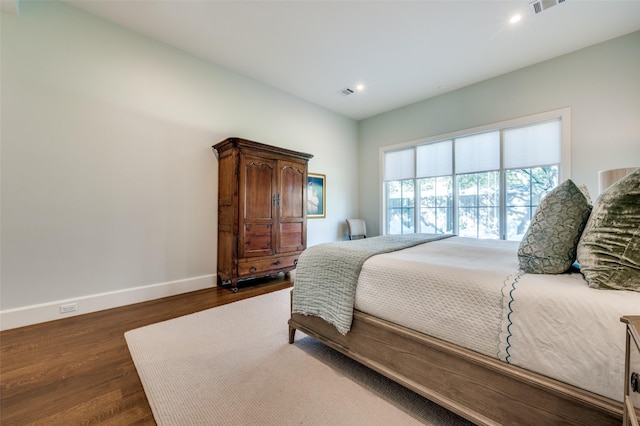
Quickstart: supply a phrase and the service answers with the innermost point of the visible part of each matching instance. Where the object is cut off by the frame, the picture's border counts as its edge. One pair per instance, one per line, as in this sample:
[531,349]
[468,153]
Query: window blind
[532,145]
[434,159]
[399,164]
[478,153]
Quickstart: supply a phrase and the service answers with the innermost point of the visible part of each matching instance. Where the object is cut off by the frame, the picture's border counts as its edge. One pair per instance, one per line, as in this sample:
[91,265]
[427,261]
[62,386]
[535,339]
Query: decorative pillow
[549,245]
[609,250]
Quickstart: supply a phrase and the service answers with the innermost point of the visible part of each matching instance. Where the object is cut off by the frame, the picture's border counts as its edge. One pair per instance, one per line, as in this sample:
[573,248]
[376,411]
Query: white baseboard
[28,315]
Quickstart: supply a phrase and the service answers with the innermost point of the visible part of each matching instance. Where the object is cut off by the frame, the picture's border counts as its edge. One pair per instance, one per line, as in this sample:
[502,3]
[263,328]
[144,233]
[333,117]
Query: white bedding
[476,297]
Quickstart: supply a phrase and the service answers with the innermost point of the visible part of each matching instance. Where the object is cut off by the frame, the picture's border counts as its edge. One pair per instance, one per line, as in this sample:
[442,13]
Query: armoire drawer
[267,265]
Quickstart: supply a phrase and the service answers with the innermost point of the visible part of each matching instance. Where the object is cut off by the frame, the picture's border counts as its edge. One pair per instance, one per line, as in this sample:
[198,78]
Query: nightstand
[632,371]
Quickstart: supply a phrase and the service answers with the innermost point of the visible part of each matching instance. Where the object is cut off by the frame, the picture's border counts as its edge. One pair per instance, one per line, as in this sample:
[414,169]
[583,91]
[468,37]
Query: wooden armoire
[262,214]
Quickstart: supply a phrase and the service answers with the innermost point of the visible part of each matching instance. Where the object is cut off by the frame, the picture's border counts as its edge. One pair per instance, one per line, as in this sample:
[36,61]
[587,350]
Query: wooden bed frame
[484,390]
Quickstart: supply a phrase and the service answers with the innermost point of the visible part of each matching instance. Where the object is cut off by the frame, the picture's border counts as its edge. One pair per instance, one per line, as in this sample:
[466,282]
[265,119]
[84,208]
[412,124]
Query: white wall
[109,183]
[600,84]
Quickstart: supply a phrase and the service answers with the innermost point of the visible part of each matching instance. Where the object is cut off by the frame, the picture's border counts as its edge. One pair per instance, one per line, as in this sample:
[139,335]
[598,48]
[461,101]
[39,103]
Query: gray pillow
[549,245]
[609,249]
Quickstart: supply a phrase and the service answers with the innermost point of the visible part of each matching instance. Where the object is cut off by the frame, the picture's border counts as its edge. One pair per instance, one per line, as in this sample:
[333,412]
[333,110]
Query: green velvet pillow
[549,245]
[609,250]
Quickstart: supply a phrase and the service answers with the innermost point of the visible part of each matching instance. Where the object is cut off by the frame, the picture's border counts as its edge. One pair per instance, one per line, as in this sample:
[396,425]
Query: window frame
[563,114]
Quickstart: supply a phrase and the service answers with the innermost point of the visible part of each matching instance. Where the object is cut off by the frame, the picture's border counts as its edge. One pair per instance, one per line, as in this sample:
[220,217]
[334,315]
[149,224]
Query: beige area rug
[232,365]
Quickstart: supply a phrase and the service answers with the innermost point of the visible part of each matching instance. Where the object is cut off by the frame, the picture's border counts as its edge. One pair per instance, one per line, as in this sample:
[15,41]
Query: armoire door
[257,203]
[291,214]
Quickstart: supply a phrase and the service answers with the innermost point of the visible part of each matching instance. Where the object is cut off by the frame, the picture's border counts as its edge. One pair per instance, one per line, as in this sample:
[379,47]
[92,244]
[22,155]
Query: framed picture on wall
[316,195]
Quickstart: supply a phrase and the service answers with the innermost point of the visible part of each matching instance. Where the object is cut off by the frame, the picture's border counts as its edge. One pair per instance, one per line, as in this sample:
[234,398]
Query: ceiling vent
[346,91]
[541,5]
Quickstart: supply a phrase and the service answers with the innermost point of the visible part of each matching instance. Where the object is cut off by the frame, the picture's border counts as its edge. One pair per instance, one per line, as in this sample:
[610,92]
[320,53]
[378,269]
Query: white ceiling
[402,51]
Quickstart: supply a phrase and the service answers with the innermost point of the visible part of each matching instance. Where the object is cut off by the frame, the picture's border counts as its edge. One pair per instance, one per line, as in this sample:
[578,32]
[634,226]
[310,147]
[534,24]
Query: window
[484,183]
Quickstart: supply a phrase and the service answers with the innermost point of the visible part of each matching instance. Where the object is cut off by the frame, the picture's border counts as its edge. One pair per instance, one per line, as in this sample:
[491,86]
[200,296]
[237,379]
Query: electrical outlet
[69,307]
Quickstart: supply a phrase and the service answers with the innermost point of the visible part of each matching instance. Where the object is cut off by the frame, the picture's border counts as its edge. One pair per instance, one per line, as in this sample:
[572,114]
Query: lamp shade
[607,178]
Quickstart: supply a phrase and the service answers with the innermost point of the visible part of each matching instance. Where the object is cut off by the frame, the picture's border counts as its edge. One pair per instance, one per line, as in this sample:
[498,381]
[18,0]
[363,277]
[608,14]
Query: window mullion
[502,176]
[416,204]
[454,188]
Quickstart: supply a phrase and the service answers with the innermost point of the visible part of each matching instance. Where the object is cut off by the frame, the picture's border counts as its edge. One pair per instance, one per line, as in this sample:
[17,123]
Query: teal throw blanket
[327,275]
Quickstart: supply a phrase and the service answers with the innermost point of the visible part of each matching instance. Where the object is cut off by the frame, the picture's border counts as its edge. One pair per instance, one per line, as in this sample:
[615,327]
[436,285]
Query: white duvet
[470,292]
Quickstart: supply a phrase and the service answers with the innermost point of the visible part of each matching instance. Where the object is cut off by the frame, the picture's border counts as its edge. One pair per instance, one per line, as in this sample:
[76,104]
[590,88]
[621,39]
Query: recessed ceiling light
[515,18]
[360,87]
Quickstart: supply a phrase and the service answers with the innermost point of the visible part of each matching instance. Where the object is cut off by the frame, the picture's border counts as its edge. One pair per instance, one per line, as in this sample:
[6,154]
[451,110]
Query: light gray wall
[108,177]
[601,84]
[109,183]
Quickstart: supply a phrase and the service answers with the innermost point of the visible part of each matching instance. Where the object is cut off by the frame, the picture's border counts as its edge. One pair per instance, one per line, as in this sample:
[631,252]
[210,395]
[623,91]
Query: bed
[448,359]
[462,323]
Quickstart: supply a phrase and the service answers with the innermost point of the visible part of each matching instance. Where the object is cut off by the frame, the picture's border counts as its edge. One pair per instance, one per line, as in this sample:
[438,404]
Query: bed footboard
[481,389]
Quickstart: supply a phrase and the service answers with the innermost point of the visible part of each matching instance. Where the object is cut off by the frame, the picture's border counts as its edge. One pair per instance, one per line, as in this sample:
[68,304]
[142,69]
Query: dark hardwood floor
[78,370]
